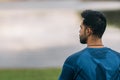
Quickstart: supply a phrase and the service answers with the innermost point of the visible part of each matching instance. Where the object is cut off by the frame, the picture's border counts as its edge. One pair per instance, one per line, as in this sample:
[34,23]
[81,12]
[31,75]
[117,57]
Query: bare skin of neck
[94,42]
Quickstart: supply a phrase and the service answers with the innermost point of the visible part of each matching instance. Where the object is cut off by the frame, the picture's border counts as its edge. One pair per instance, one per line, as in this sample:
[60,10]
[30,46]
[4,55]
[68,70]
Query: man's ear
[88,31]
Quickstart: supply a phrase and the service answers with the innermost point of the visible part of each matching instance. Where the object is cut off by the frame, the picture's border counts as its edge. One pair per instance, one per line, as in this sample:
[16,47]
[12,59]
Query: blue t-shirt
[92,64]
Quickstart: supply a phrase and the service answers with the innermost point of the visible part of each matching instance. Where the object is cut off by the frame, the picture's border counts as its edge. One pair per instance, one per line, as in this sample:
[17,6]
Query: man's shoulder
[79,53]
[115,52]
[76,55]
[72,59]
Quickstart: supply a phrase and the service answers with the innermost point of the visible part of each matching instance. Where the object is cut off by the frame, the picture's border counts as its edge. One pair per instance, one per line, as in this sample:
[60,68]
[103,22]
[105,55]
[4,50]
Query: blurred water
[41,39]
[52,56]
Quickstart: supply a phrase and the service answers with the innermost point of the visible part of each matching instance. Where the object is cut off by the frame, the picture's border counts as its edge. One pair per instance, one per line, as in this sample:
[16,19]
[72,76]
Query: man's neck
[94,42]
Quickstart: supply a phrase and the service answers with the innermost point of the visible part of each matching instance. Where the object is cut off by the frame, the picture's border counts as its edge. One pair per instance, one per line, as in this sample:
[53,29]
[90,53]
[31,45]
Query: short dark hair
[95,20]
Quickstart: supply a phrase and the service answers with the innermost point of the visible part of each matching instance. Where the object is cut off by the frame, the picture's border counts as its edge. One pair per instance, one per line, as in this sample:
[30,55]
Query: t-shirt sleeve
[68,70]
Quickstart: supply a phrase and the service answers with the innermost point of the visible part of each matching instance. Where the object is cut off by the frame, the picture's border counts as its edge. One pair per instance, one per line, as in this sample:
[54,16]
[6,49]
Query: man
[95,62]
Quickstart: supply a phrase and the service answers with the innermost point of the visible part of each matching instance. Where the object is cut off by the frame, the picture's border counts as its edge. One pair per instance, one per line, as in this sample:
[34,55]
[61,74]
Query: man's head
[93,24]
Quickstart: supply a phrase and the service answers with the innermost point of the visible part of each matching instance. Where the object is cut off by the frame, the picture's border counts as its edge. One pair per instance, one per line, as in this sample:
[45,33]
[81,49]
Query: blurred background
[43,33]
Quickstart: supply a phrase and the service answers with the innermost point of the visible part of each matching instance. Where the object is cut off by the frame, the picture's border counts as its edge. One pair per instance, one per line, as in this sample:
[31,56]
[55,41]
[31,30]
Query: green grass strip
[30,74]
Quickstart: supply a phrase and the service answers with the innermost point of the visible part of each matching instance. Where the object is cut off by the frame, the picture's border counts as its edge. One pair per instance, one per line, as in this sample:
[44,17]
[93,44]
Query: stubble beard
[83,39]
